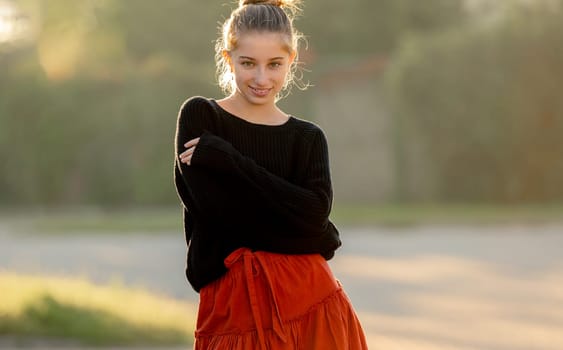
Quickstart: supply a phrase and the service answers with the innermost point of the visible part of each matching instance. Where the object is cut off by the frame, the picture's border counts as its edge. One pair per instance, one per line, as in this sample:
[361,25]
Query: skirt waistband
[263,290]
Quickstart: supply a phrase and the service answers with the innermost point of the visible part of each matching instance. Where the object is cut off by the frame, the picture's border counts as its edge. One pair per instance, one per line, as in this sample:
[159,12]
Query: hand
[186,156]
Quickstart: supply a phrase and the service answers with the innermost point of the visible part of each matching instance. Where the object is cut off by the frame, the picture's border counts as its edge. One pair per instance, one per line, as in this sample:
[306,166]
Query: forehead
[261,45]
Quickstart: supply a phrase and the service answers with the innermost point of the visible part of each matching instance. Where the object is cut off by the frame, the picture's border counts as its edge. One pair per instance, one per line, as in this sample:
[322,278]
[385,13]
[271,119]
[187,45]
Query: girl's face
[260,64]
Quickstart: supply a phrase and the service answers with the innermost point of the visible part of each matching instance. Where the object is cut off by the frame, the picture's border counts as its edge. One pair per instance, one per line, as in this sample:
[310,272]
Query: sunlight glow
[446,302]
[14,25]
[7,22]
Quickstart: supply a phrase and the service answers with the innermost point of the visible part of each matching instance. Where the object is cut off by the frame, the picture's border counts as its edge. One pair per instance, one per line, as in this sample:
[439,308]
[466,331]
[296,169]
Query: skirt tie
[253,264]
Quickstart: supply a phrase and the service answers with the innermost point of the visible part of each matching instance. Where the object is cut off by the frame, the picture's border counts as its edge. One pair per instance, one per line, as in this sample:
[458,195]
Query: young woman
[256,192]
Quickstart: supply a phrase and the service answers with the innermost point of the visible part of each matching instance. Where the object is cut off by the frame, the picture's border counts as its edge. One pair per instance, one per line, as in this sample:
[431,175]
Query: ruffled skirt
[274,301]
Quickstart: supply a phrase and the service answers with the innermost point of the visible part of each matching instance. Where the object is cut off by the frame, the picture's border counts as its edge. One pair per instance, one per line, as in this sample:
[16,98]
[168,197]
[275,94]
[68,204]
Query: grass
[464,214]
[79,311]
[95,220]
[162,220]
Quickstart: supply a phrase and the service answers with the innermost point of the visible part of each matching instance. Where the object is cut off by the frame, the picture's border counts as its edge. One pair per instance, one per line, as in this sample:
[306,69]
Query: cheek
[241,75]
[282,75]
[278,76]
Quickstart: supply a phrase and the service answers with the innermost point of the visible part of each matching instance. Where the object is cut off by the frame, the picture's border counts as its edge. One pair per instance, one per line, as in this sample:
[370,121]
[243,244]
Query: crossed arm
[303,208]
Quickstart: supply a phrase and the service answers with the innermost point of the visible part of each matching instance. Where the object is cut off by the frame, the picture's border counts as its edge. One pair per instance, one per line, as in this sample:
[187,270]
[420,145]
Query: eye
[275,64]
[247,64]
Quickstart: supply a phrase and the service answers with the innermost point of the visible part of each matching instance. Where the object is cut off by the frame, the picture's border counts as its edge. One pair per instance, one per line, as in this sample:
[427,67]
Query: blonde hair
[274,16]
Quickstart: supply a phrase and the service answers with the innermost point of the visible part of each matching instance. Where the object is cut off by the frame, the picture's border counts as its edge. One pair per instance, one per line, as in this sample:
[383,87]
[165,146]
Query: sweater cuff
[212,151]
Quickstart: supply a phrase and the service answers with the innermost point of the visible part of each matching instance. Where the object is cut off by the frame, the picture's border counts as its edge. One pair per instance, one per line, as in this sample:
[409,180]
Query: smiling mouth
[260,92]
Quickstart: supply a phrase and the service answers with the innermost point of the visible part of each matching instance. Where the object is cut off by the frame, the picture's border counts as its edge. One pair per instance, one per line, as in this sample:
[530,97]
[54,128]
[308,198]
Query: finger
[188,152]
[191,143]
[187,160]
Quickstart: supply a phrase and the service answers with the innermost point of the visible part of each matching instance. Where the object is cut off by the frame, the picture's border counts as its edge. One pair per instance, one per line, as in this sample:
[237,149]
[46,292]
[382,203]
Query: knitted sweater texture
[264,187]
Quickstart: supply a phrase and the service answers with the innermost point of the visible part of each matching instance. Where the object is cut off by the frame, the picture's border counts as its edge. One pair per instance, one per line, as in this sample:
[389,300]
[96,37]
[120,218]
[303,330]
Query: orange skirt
[275,301]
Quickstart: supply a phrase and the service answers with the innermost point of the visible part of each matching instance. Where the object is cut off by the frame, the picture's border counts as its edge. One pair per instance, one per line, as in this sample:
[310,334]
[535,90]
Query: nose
[261,77]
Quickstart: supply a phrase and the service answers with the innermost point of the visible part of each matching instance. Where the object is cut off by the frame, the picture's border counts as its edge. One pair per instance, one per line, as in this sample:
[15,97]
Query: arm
[189,125]
[210,196]
[214,195]
[306,205]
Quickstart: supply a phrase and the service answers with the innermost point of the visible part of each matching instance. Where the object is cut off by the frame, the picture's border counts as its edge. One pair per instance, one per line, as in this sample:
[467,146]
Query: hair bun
[292,6]
[278,3]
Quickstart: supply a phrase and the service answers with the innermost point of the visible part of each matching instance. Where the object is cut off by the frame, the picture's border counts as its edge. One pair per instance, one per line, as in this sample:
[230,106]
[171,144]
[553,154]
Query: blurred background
[444,120]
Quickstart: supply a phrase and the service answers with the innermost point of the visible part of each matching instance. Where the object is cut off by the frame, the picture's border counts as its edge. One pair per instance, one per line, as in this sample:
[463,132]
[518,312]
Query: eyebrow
[252,59]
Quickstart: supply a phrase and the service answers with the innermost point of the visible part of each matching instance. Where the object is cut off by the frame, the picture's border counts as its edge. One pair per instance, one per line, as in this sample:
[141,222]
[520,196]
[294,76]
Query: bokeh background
[444,120]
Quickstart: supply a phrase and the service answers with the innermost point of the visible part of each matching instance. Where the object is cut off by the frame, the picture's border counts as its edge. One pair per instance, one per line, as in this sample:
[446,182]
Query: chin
[260,100]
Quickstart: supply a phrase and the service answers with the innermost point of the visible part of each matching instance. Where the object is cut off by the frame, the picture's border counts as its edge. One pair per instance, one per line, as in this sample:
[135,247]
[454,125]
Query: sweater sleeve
[189,126]
[205,193]
[306,206]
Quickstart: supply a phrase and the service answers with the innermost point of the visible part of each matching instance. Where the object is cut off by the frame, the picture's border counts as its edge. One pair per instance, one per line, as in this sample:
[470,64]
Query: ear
[227,56]
[292,56]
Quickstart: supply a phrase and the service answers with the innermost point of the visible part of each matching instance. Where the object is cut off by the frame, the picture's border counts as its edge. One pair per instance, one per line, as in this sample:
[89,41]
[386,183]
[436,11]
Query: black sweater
[264,187]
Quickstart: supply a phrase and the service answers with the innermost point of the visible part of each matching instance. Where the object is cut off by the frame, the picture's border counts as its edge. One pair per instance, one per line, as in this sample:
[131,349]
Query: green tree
[483,102]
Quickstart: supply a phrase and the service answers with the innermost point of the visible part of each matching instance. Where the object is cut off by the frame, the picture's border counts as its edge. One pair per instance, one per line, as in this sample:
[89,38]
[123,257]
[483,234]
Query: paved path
[420,288]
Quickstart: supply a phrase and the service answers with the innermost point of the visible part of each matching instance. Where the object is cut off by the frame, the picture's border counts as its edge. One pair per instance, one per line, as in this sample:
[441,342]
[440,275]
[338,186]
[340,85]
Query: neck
[267,113]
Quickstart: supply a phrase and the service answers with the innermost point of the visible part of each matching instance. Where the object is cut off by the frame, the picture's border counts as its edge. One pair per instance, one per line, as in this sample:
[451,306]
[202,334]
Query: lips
[260,92]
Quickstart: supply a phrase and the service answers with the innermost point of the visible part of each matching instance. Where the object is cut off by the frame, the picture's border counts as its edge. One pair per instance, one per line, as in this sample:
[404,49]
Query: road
[415,288]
